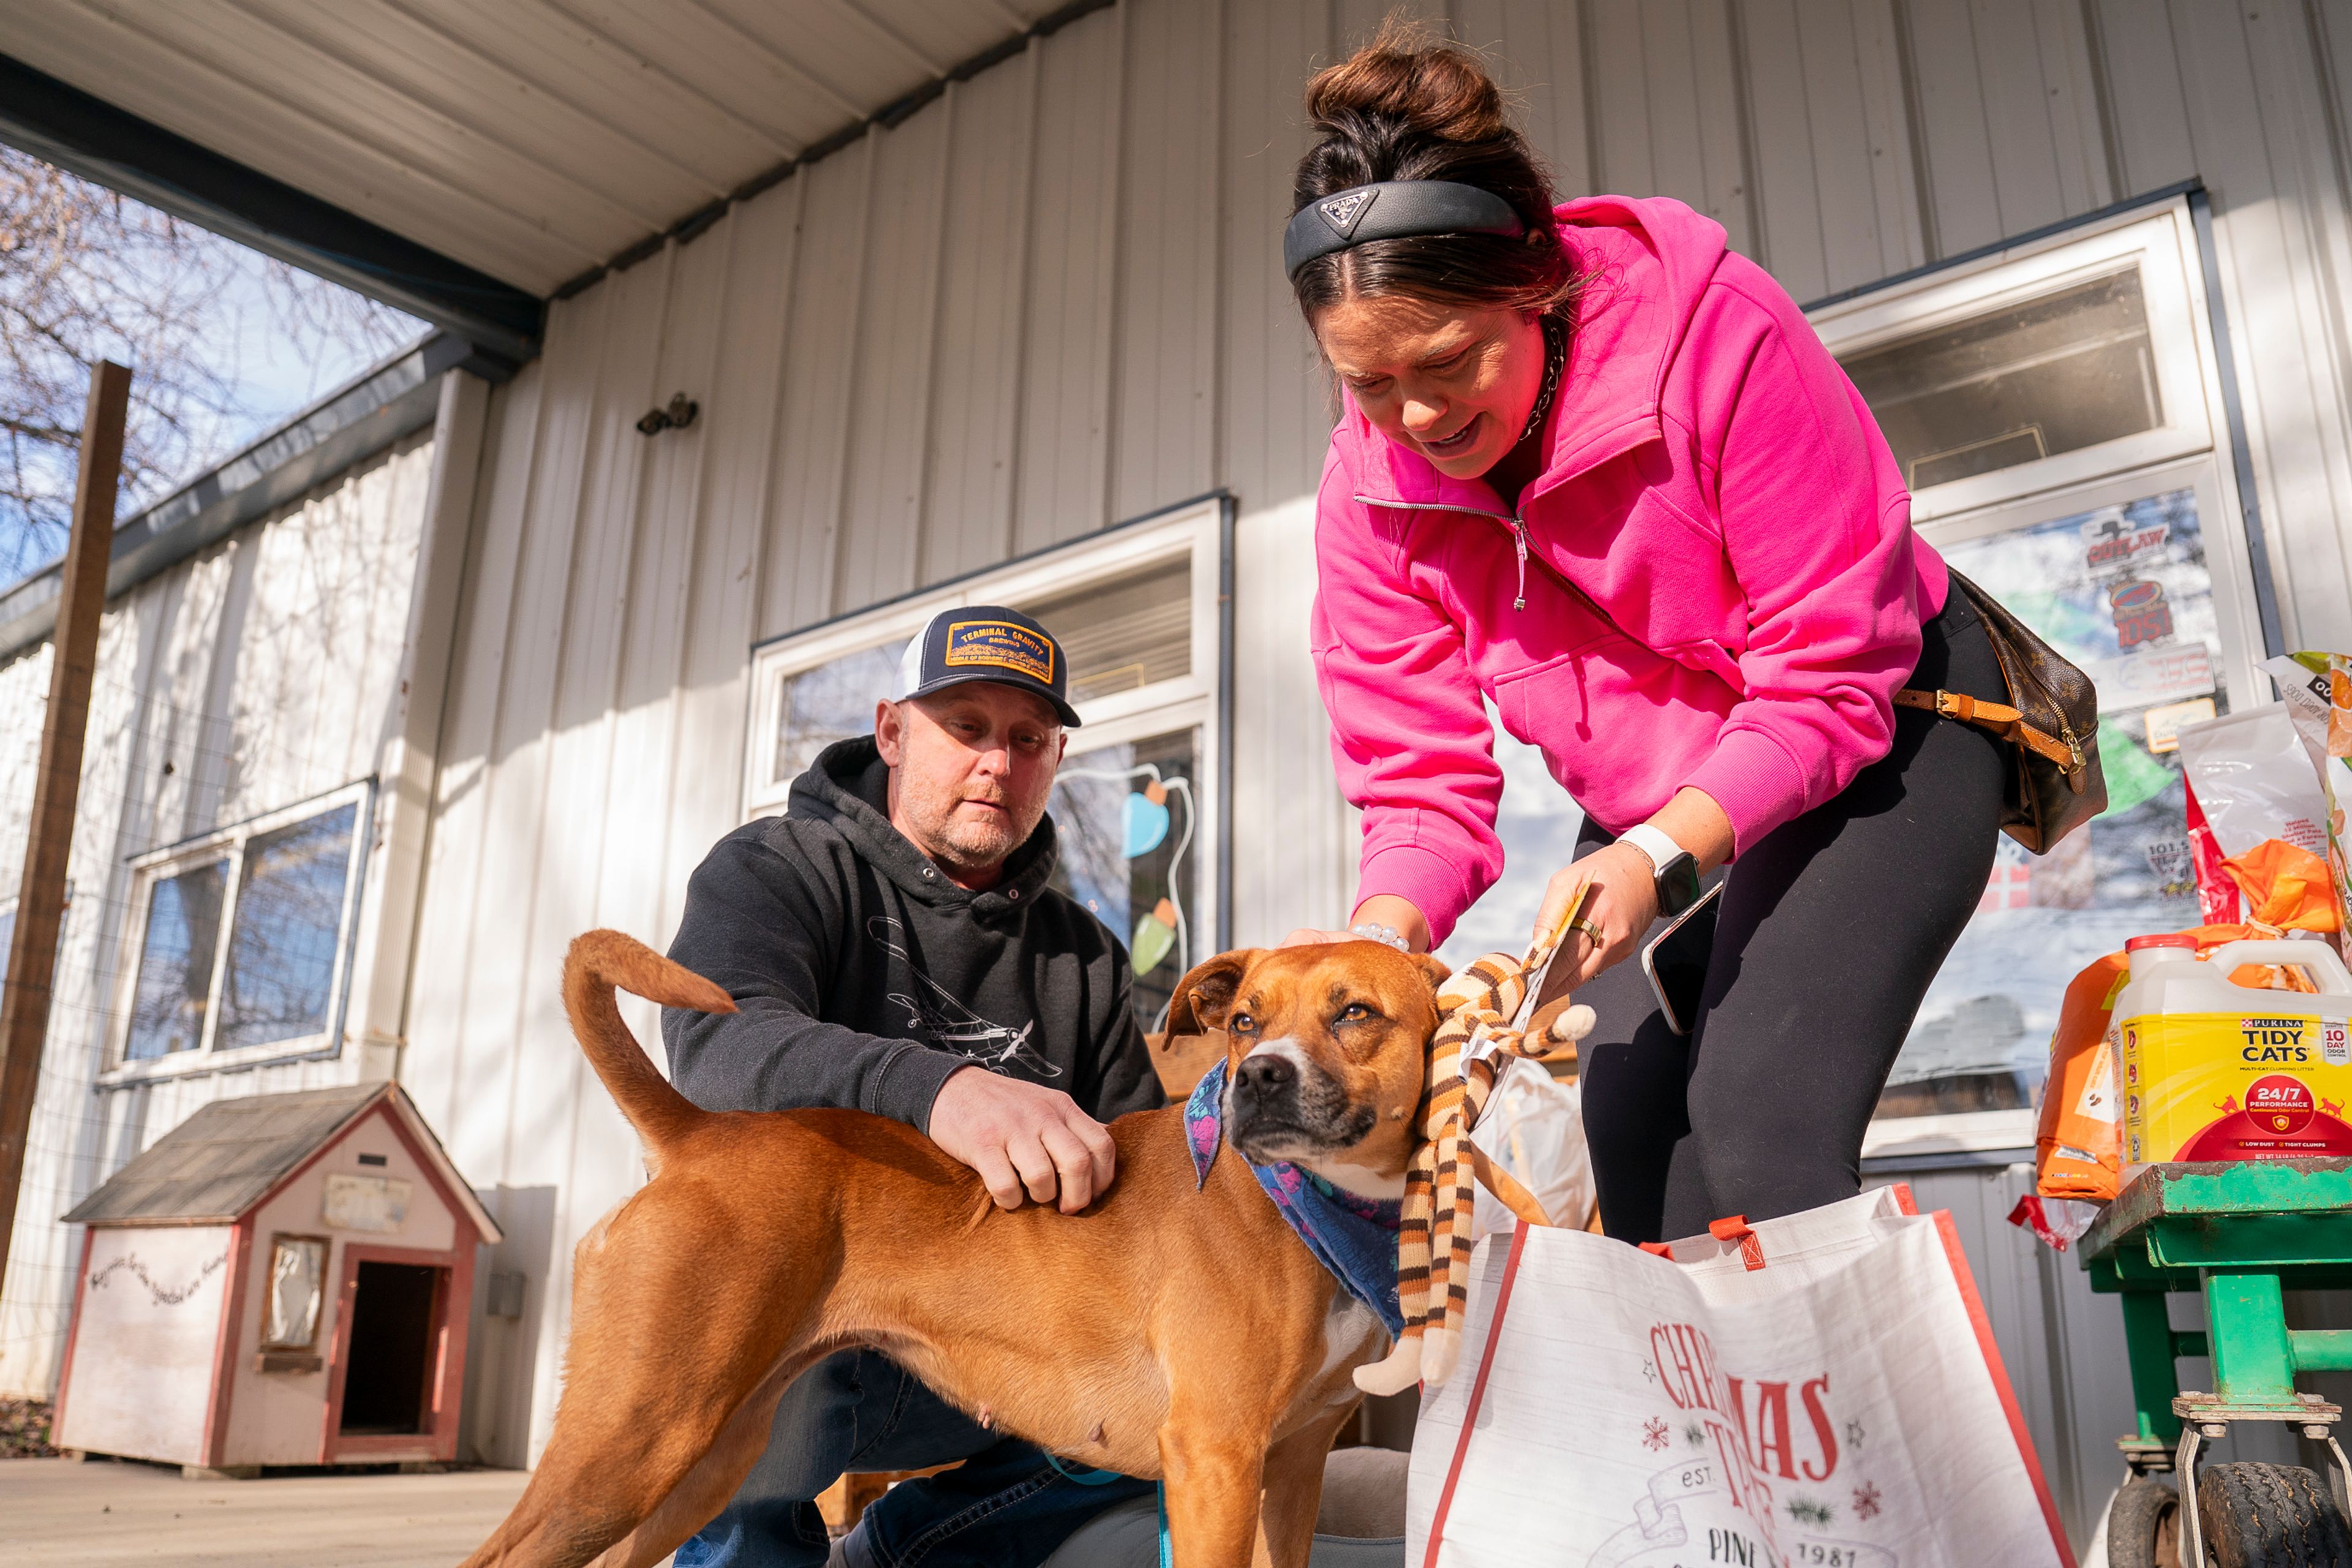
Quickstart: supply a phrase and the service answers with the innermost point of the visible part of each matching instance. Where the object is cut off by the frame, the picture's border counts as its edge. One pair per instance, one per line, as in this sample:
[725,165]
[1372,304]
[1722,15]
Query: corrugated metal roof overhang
[530,139]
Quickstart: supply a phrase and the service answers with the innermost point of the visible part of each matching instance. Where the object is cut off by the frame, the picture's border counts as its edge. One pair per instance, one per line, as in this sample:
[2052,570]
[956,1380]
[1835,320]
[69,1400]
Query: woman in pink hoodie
[1596,471]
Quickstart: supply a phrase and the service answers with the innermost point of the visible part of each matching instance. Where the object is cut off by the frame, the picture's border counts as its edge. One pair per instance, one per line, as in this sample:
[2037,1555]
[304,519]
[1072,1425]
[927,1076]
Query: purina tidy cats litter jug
[2215,1070]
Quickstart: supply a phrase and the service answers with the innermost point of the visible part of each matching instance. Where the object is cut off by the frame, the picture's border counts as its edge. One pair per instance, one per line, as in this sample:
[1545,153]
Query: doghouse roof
[219,1163]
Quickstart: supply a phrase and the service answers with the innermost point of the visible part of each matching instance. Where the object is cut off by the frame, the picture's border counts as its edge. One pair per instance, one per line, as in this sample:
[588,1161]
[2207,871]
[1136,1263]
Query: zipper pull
[1519,538]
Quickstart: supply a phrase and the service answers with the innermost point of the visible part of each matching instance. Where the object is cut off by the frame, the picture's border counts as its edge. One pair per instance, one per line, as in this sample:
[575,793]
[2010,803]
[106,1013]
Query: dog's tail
[599,961]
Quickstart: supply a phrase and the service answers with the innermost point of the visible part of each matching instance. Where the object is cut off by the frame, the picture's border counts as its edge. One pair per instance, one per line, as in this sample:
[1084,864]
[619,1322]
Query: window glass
[1125,820]
[2068,370]
[2124,591]
[830,702]
[1119,635]
[297,1265]
[175,962]
[1126,633]
[289,919]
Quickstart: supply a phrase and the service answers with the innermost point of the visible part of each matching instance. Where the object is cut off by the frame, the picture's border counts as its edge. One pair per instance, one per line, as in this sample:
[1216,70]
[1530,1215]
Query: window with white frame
[238,946]
[2057,411]
[1136,610]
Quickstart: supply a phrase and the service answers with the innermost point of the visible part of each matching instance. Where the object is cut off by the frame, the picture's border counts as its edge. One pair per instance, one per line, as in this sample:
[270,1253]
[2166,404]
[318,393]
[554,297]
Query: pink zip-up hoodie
[1721,585]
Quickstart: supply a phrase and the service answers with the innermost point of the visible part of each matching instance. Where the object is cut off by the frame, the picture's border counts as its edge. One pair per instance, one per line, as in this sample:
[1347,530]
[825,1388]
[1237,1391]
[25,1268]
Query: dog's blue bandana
[1354,1237]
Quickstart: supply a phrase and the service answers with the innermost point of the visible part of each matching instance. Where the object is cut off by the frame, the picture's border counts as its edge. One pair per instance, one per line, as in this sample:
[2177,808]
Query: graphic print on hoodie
[935,1013]
[864,977]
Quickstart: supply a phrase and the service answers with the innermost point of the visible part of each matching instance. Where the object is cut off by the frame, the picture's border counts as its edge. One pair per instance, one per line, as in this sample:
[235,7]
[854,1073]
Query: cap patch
[1002,645]
[1342,213]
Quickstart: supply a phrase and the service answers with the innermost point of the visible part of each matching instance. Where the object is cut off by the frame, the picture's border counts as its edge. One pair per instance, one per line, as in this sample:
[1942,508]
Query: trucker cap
[986,642]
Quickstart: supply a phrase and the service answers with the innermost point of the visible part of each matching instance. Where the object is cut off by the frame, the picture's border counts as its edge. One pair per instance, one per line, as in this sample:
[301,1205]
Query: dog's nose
[1266,1076]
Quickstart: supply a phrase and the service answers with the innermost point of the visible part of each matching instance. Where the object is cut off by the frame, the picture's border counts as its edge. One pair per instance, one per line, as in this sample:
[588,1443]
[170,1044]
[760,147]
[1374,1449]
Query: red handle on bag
[1751,1250]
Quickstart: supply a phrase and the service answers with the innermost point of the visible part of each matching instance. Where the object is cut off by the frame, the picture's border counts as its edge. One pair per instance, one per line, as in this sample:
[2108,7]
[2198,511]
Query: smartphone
[1676,961]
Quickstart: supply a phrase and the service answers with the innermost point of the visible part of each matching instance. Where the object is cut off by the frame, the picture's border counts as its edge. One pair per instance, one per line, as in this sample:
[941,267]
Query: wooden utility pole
[57,786]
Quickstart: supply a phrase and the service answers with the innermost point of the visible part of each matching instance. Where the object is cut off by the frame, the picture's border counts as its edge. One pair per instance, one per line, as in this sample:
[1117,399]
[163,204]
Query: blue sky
[275,376]
[224,345]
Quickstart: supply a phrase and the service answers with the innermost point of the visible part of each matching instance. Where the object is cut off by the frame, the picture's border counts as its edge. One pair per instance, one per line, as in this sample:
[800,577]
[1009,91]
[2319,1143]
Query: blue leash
[1092,1477]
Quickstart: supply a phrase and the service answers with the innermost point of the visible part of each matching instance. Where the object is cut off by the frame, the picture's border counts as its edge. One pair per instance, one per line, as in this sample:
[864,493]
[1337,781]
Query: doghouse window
[298,1267]
[1136,610]
[239,939]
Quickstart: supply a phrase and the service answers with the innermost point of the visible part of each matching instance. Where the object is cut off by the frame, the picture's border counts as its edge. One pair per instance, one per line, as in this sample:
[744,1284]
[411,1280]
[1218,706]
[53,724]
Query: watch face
[1678,887]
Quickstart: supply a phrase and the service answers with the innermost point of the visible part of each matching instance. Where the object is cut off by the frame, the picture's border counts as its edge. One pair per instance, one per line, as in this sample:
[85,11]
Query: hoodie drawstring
[1519,538]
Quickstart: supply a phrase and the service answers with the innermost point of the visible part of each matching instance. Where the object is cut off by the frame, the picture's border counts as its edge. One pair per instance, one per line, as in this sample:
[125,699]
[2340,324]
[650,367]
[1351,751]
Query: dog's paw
[1441,1353]
[1395,1374]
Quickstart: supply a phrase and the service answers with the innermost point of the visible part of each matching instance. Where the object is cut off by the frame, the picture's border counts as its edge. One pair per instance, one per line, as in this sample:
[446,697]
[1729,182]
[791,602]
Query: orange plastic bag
[2078,1142]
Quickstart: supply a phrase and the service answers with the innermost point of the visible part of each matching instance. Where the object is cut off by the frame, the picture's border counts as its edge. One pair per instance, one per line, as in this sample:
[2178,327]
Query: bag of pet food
[2317,690]
[2249,779]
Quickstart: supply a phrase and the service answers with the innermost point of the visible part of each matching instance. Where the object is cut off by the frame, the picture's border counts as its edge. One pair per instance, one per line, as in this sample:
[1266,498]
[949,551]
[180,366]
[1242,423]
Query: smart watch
[1676,872]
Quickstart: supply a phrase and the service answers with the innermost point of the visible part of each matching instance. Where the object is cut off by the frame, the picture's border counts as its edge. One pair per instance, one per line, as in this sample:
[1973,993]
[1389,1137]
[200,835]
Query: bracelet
[1373,931]
[1653,843]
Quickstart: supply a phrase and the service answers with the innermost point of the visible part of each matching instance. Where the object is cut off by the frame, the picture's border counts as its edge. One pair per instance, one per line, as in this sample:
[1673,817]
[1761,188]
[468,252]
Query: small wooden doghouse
[281,1279]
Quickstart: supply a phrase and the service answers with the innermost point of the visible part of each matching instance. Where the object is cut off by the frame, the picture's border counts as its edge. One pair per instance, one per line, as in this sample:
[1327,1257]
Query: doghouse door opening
[394,1325]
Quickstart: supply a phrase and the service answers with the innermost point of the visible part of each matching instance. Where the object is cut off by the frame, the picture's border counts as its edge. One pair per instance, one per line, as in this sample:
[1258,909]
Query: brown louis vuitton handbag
[2052,717]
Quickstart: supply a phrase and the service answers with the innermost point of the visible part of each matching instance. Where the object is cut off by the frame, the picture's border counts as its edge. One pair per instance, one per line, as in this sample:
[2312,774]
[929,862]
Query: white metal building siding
[1052,299]
[263,671]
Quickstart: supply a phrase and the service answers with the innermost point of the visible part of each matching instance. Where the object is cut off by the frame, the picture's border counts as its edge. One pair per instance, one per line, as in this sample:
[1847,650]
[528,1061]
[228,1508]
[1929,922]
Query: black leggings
[1830,928]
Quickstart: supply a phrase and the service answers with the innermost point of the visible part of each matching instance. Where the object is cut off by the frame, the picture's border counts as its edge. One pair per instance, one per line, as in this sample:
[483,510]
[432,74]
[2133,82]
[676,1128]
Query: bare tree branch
[87,275]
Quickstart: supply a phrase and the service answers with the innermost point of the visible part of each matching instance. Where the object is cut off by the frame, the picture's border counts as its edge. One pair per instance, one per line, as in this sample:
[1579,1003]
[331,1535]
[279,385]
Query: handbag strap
[1999,717]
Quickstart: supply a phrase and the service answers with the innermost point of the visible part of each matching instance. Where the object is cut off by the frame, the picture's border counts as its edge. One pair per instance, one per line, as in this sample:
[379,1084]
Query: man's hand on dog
[1025,1140]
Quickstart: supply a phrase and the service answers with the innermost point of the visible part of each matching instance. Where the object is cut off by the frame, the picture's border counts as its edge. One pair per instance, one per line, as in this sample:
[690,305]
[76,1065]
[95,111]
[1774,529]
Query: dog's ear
[1204,997]
[1434,968]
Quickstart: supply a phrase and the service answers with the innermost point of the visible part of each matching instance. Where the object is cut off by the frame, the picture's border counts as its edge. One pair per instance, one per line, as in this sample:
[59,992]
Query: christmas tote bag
[1820,1390]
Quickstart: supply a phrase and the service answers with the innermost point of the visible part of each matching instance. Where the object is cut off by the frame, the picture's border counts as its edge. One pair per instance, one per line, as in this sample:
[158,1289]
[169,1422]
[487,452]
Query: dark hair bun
[1408,107]
[1413,87]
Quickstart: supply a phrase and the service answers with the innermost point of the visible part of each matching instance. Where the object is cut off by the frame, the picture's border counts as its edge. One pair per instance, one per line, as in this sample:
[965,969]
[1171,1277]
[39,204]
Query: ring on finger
[1580,923]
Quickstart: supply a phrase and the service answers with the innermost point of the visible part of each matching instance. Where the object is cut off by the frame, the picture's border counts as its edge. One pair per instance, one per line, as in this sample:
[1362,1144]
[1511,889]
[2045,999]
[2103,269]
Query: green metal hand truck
[2240,1233]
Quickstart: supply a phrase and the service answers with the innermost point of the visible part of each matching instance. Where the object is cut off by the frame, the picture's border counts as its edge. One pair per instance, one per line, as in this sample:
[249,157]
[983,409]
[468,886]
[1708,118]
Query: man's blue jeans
[1005,1507]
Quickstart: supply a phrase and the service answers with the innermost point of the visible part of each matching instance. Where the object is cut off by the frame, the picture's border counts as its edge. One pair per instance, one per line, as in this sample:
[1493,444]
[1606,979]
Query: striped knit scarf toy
[1477,1006]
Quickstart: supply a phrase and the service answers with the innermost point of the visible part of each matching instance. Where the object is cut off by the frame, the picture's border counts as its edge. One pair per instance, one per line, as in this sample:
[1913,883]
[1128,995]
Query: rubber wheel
[2270,1516]
[2144,1525]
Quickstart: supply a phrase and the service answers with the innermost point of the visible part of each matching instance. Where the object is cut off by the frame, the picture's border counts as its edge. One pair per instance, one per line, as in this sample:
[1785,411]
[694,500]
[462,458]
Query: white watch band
[1653,842]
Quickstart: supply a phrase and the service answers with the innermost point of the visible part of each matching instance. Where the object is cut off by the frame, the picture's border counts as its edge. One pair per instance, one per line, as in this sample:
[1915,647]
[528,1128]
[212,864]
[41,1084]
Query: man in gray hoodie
[893,945]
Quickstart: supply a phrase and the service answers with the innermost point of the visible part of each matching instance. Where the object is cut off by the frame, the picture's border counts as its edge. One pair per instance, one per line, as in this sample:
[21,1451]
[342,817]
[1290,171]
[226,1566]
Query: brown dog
[1163,1331]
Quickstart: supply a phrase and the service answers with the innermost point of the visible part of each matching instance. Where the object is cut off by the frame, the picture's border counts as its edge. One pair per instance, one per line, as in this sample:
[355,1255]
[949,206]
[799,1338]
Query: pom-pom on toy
[1477,1008]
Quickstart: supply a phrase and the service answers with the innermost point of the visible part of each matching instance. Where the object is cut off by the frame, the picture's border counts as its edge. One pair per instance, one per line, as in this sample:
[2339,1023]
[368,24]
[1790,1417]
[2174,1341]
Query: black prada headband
[1392,209]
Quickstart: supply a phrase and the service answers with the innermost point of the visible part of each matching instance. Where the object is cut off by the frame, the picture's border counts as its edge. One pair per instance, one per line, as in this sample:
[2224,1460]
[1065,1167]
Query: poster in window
[2126,593]
[1126,820]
